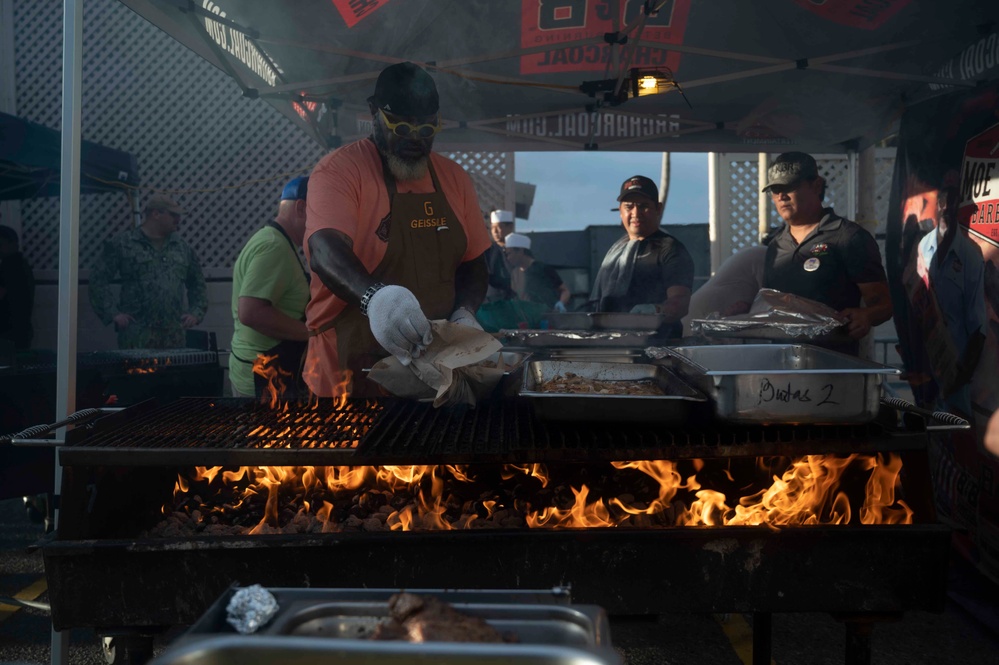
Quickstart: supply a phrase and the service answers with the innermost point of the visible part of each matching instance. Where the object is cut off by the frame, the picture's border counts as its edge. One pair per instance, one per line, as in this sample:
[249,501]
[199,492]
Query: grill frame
[169,582]
[732,569]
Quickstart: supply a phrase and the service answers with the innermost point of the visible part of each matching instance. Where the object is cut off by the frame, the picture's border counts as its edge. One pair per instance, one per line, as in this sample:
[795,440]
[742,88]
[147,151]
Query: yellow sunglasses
[405,129]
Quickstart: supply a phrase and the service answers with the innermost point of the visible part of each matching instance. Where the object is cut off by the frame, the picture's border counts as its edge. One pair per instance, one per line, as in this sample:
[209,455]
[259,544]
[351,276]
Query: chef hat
[501,217]
[515,240]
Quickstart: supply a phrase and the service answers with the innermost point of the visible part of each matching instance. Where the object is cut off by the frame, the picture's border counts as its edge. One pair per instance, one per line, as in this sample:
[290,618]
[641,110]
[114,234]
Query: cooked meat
[428,619]
[572,383]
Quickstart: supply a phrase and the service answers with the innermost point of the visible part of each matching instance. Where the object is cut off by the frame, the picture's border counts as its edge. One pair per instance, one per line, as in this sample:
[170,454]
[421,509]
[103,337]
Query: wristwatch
[366,298]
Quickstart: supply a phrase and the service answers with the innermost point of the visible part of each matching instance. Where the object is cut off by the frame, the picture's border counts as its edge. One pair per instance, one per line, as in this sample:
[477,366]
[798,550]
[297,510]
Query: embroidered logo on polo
[819,249]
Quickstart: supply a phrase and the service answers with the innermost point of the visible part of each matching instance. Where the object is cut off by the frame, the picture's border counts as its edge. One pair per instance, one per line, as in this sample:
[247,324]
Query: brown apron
[425,245]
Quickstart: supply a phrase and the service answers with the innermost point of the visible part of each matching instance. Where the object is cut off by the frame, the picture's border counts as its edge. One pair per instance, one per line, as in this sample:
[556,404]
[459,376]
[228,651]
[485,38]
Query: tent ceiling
[773,75]
[30,156]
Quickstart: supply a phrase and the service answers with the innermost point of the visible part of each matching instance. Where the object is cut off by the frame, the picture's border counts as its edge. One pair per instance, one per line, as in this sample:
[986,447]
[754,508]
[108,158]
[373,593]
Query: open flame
[809,490]
[278,380]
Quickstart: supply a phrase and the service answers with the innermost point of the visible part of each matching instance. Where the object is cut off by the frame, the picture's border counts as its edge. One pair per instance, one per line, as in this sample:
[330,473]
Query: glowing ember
[805,491]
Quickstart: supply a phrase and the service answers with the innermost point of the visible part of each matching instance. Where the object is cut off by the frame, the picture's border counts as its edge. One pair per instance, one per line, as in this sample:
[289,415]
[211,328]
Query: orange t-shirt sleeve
[334,196]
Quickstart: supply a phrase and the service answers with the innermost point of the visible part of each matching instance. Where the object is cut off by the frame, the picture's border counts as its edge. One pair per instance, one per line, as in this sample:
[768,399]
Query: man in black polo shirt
[647,271]
[820,255]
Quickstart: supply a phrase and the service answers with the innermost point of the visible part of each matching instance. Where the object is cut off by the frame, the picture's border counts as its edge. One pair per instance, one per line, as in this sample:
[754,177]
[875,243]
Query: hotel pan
[781,383]
[672,407]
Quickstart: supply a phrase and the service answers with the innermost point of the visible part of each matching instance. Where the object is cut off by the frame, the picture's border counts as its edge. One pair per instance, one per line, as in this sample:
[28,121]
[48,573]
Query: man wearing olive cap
[820,255]
[395,235]
[156,266]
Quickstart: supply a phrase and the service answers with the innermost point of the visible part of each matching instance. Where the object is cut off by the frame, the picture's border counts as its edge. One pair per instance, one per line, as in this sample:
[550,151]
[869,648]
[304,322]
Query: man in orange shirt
[395,235]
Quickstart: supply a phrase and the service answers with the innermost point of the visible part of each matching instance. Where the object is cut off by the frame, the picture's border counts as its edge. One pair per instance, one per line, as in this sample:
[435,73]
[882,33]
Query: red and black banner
[942,251]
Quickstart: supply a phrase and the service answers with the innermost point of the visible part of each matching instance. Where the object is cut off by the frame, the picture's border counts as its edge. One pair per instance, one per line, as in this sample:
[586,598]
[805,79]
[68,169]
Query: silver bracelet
[366,298]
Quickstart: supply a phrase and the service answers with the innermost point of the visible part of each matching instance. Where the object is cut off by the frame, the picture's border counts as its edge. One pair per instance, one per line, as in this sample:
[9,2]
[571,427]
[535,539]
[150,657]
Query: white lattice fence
[489,173]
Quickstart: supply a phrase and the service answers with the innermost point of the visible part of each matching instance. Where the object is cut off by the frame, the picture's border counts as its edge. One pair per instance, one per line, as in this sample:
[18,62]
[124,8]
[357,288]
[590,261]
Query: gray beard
[401,169]
[404,170]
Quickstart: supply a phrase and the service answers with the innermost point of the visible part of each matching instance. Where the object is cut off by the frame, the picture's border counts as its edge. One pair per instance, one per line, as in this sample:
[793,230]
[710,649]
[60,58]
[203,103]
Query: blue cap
[296,189]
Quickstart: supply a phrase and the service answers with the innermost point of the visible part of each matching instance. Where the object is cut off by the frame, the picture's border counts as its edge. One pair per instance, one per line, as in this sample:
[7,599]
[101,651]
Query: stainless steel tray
[580,338]
[270,649]
[579,626]
[671,408]
[605,321]
[782,383]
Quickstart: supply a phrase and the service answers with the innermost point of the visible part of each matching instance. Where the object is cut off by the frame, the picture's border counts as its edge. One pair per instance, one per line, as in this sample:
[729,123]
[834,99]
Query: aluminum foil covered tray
[781,383]
[616,321]
[670,407]
[580,338]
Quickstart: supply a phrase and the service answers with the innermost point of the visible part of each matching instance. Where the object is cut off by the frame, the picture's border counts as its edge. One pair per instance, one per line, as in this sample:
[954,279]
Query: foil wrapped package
[776,315]
[250,609]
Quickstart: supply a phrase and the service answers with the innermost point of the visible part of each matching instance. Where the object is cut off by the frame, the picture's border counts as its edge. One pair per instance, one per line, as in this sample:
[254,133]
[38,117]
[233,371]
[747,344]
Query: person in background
[953,270]
[992,434]
[156,267]
[541,283]
[270,290]
[733,287]
[17,291]
[647,271]
[501,224]
[820,255]
[396,237]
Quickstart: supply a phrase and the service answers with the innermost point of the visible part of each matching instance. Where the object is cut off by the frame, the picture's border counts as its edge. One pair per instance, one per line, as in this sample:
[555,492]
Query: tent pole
[763,220]
[69,227]
[713,238]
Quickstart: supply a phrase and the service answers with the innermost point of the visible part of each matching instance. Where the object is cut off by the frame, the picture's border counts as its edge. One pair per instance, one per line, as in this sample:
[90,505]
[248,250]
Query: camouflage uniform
[152,289]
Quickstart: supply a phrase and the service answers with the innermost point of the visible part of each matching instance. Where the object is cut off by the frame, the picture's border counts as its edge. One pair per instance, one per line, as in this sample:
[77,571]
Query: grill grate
[509,430]
[241,424]
[393,431]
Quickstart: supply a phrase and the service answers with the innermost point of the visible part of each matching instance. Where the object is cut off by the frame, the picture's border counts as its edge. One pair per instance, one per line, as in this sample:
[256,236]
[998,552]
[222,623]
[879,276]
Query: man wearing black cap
[820,255]
[395,235]
[647,271]
[270,289]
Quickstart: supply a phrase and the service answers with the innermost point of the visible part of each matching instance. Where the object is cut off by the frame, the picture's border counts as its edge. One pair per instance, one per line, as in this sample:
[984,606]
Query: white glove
[646,308]
[560,307]
[465,317]
[398,323]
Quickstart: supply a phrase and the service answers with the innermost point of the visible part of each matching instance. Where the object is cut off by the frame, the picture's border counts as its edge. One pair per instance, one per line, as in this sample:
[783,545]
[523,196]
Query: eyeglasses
[405,129]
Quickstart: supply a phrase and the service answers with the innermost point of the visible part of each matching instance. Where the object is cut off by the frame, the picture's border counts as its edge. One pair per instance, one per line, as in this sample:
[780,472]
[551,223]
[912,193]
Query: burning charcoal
[352,522]
[372,524]
[358,512]
[512,522]
[500,515]
[626,499]
[386,510]
[372,501]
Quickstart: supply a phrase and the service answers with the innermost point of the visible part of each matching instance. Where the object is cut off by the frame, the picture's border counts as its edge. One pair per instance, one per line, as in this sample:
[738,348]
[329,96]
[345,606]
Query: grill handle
[29,437]
[949,420]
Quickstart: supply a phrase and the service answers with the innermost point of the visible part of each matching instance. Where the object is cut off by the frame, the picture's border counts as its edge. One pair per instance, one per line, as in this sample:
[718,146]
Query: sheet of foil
[576,334]
[783,313]
[250,609]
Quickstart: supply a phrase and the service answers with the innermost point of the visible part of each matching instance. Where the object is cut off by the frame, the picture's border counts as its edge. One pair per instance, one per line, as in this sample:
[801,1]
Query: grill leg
[762,637]
[858,642]
[858,635]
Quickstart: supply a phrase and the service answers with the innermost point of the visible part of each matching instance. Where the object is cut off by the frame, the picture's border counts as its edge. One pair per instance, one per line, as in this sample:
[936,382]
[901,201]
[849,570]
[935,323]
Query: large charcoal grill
[123,468]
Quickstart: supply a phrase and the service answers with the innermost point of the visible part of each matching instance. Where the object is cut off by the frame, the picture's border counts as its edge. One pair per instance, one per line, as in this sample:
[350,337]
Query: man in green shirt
[155,266]
[270,290]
